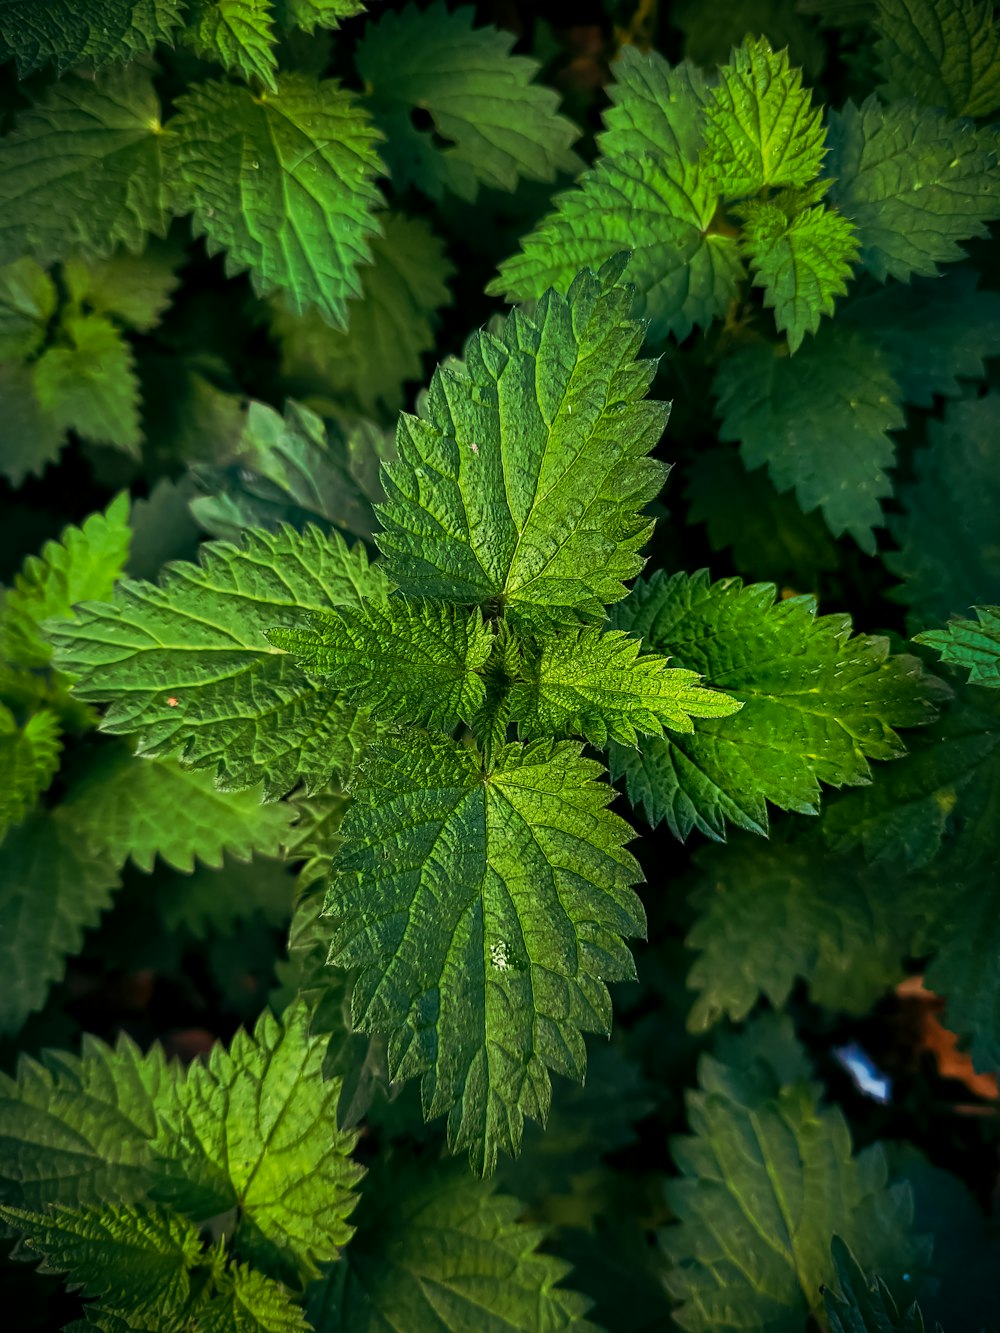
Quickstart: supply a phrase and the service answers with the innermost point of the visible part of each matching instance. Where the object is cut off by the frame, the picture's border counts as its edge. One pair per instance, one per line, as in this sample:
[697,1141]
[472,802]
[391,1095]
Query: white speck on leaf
[498,956]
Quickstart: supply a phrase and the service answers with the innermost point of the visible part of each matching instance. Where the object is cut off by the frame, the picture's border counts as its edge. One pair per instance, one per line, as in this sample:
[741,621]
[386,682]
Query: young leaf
[914,183]
[802,263]
[655,108]
[437,1249]
[123,808]
[767,1181]
[187,664]
[415,660]
[90,385]
[135,289]
[523,481]
[310,14]
[83,170]
[515,882]
[239,34]
[254,1128]
[501,127]
[817,704]
[760,127]
[284,183]
[973,647]
[819,420]
[67,33]
[585,683]
[945,53]
[29,758]
[27,302]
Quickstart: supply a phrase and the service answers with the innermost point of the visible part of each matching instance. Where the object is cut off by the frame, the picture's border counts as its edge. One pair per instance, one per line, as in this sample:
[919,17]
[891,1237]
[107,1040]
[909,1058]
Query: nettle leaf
[392,324]
[656,108]
[239,34]
[208,903]
[500,126]
[416,660]
[187,664]
[67,33]
[127,808]
[135,289]
[32,439]
[964,934]
[254,1128]
[710,33]
[310,14]
[51,891]
[438,1250]
[945,53]
[83,170]
[973,645]
[949,557]
[859,1304]
[914,182]
[817,703]
[593,684]
[487,936]
[284,183]
[819,420]
[802,263]
[767,1180]
[28,301]
[770,913]
[933,331]
[29,758]
[87,383]
[522,482]
[760,126]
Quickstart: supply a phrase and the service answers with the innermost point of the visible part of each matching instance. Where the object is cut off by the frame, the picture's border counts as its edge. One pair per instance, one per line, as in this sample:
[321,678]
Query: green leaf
[84,564]
[760,127]
[83,170]
[248,1302]
[659,207]
[392,324]
[964,934]
[523,481]
[818,704]
[860,1304]
[284,183]
[914,183]
[239,34]
[592,684]
[770,913]
[950,557]
[32,439]
[135,289]
[414,660]
[973,647]
[27,303]
[932,331]
[187,663]
[90,385]
[802,263]
[29,759]
[767,1181]
[437,1251]
[126,808]
[254,1128]
[945,53]
[211,902]
[65,32]
[517,888]
[500,126]
[137,1259]
[819,420]
[655,108]
[310,14]
[51,891]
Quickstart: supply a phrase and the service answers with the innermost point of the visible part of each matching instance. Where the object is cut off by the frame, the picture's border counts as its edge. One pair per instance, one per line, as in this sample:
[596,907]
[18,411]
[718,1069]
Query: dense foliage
[312,699]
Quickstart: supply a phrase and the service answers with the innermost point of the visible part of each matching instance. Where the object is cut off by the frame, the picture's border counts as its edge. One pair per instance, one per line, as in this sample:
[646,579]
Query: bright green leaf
[310,14]
[239,34]
[88,383]
[133,288]
[27,303]
[655,108]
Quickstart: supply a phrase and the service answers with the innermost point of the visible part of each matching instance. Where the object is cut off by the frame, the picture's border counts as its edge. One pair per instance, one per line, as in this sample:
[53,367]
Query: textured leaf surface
[914,183]
[523,480]
[655,108]
[819,420]
[391,325]
[950,556]
[859,1304]
[439,1252]
[972,645]
[255,1129]
[89,385]
[66,32]
[414,660]
[517,889]
[187,664]
[310,14]
[585,683]
[237,33]
[125,808]
[83,170]
[500,125]
[760,127]
[945,53]
[29,758]
[818,704]
[284,183]
[767,1181]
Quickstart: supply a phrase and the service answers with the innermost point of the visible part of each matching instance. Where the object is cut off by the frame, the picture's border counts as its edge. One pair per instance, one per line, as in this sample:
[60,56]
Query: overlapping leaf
[237,33]
[28,301]
[87,383]
[67,33]
[946,53]
[973,645]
